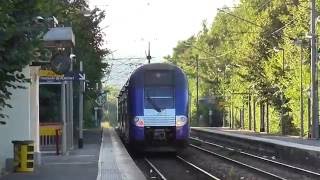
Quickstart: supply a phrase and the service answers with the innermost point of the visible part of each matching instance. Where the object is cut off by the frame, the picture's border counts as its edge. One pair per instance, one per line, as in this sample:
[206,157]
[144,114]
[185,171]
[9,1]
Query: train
[153,108]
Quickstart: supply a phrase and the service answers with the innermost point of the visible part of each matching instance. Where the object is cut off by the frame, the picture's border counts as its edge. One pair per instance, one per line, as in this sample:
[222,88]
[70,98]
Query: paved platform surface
[290,141]
[80,164]
[100,159]
[115,162]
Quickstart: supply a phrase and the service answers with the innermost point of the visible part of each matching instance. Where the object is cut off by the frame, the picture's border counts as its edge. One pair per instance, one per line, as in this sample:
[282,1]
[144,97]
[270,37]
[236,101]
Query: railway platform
[115,162]
[100,159]
[288,148]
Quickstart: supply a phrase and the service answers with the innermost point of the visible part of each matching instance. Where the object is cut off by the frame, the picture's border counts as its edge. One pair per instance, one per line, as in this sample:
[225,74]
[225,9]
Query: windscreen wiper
[157,108]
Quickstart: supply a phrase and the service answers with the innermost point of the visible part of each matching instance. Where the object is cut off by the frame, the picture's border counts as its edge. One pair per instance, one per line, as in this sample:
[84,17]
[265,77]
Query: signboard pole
[96,115]
[63,114]
[81,91]
[71,108]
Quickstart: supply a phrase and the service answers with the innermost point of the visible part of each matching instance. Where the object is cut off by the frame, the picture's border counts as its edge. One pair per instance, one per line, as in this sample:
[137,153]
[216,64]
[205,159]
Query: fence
[50,137]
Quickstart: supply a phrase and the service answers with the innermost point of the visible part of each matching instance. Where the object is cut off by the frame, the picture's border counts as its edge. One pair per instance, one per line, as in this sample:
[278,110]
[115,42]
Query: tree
[20,41]
[238,57]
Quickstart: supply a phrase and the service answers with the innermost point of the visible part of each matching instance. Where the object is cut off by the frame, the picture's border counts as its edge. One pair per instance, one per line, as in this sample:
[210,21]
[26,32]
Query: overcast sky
[130,24]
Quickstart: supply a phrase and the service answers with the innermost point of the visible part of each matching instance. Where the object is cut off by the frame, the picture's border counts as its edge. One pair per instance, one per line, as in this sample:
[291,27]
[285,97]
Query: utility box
[23,152]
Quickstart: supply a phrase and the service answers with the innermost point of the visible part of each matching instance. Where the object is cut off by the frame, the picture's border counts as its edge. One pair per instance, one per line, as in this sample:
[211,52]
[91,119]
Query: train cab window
[158,98]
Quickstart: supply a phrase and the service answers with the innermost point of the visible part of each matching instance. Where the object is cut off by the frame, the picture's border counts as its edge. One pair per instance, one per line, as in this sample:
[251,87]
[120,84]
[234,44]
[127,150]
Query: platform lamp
[301,43]
[281,113]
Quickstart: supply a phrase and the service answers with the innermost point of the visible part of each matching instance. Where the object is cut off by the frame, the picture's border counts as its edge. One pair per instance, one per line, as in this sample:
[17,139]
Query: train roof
[157,66]
[152,66]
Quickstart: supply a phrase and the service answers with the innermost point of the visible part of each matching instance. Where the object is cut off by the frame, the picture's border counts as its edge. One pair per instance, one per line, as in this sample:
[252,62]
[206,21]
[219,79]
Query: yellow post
[23,156]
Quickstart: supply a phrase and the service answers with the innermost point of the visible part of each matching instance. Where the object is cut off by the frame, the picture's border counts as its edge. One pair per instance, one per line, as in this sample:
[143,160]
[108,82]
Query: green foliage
[18,44]
[20,41]
[236,58]
[111,107]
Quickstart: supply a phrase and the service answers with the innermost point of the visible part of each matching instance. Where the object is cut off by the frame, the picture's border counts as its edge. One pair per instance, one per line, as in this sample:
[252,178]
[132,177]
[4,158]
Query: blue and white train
[153,108]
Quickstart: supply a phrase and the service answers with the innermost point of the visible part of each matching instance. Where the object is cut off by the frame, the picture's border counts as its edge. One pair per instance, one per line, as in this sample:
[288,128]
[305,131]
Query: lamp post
[281,113]
[197,73]
[301,43]
[81,91]
[197,84]
[219,70]
[314,76]
[301,92]
[223,91]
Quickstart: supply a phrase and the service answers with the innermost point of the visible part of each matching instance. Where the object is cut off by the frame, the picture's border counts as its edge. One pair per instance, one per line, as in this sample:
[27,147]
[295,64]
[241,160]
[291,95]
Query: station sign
[51,76]
[101,100]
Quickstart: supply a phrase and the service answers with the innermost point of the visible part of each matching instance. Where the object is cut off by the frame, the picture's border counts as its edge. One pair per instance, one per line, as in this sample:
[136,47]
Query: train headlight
[181,120]
[138,121]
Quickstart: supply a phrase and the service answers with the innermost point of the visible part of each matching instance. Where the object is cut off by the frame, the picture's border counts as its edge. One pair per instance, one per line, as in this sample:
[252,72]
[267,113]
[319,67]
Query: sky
[130,24]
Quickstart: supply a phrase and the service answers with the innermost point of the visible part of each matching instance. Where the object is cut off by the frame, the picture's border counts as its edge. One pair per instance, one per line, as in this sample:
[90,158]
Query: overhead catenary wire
[252,23]
[245,20]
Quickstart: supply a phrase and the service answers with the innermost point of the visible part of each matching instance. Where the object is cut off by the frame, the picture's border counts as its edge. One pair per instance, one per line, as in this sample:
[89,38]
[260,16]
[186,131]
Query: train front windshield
[158,98]
[159,91]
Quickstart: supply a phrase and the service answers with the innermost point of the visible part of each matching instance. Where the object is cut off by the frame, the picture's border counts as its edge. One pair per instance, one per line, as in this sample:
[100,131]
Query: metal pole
[96,115]
[267,117]
[238,122]
[254,114]
[223,110]
[240,110]
[197,61]
[249,113]
[71,108]
[63,114]
[67,114]
[149,56]
[262,117]
[309,117]
[242,117]
[210,118]
[232,123]
[223,118]
[230,116]
[314,82]
[282,60]
[301,92]
[81,91]
[282,102]
[281,116]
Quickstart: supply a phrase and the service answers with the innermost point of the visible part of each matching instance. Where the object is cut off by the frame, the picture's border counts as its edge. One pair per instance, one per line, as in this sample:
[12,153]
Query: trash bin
[23,152]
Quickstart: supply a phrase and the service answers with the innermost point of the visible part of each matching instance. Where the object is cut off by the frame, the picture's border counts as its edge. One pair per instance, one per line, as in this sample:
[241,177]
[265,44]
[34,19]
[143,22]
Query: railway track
[160,175]
[193,175]
[275,167]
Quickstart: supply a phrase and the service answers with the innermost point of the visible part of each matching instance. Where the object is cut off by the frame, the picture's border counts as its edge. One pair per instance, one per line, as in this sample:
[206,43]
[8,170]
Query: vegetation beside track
[237,58]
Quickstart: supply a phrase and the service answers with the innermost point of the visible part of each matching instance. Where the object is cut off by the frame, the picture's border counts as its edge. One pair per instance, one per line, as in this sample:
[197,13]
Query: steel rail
[239,163]
[198,168]
[305,171]
[156,169]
